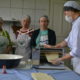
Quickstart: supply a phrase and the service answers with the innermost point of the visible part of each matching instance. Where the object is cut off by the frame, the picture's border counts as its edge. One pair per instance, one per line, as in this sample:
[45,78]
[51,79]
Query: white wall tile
[16,3]
[4,3]
[16,13]
[57,19]
[29,4]
[5,13]
[42,4]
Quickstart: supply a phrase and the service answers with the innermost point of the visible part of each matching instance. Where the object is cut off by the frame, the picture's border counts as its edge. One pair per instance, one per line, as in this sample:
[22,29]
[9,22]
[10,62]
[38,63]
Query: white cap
[72,4]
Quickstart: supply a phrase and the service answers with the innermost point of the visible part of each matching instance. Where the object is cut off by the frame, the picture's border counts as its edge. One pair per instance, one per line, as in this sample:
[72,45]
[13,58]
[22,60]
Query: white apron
[23,46]
[76,64]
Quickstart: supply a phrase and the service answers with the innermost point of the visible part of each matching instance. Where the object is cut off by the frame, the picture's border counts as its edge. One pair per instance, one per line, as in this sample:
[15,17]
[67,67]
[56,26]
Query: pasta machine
[41,57]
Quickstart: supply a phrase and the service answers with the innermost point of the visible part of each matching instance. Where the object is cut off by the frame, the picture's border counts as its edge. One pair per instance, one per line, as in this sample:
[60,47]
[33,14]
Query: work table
[25,74]
[60,73]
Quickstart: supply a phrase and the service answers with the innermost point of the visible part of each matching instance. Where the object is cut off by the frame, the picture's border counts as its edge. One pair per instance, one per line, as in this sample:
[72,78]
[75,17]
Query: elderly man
[72,15]
[44,35]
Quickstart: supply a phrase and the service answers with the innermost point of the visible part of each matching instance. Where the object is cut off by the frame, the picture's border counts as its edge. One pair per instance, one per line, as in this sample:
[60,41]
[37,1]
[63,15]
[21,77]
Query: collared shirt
[73,39]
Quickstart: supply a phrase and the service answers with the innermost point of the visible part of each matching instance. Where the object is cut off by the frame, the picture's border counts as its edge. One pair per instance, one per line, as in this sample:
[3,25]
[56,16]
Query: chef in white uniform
[72,15]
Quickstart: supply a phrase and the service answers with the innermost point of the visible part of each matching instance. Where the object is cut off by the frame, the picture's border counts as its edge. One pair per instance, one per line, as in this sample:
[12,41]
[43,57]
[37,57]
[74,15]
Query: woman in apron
[23,39]
[72,15]
[5,42]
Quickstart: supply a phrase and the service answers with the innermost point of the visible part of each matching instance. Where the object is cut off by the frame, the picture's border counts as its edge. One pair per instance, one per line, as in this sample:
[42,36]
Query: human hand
[58,46]
[47,46]
[56,61]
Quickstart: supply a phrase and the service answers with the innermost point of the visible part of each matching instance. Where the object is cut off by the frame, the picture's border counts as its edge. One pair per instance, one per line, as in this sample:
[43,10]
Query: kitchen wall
[12,10]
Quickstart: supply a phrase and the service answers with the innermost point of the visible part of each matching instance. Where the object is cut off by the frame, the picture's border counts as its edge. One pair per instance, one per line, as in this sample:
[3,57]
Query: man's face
[25,22]
[43,22]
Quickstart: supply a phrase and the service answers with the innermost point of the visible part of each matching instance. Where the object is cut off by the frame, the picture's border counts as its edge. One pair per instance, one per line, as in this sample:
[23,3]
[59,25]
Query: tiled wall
[16,9]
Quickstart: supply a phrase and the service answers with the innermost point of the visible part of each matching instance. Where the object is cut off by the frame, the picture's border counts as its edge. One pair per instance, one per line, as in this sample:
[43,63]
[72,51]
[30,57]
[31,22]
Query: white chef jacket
[73,39]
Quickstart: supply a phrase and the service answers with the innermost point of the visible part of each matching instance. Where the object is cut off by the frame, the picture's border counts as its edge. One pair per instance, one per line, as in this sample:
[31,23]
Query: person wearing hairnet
[72,15]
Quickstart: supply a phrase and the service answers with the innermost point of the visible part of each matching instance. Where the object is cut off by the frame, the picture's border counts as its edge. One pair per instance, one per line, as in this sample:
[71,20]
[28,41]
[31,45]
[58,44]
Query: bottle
[4,69]
[29,64]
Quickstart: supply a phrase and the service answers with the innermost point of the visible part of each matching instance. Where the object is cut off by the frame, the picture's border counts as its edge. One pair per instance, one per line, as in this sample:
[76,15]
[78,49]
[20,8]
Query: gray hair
[45,16]
[27,17]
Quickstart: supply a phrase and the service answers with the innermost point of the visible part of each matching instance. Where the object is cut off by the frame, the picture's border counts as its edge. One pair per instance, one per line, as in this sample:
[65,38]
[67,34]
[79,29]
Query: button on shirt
[73,39]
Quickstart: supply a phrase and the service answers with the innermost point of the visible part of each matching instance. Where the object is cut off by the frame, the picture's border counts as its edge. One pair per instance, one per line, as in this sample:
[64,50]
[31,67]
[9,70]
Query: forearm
[67,56]
[63,44]
[60,45]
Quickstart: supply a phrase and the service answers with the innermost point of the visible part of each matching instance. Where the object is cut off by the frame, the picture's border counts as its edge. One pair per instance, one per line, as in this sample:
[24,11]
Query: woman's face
[43,22]
[25,23]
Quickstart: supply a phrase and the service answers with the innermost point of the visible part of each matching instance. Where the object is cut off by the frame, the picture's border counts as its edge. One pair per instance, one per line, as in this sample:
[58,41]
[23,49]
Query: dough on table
[51,56]
[41,76]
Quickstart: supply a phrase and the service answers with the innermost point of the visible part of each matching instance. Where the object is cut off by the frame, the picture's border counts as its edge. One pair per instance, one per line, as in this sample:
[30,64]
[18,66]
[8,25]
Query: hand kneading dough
[51,56]
[41,76]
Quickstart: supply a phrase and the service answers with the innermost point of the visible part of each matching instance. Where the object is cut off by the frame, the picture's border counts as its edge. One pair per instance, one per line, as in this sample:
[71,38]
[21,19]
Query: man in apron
[72,15]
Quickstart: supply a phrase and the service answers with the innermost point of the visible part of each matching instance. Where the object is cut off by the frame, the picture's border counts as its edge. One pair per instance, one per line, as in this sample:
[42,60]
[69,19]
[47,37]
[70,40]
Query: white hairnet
[72,4]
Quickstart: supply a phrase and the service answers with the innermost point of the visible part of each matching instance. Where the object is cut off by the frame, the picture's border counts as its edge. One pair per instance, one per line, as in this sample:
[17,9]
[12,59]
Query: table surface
[25,74]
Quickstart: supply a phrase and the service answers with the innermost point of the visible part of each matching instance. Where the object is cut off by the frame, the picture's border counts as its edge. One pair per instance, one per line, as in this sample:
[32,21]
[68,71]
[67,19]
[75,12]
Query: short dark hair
[45,16]
[71,9]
